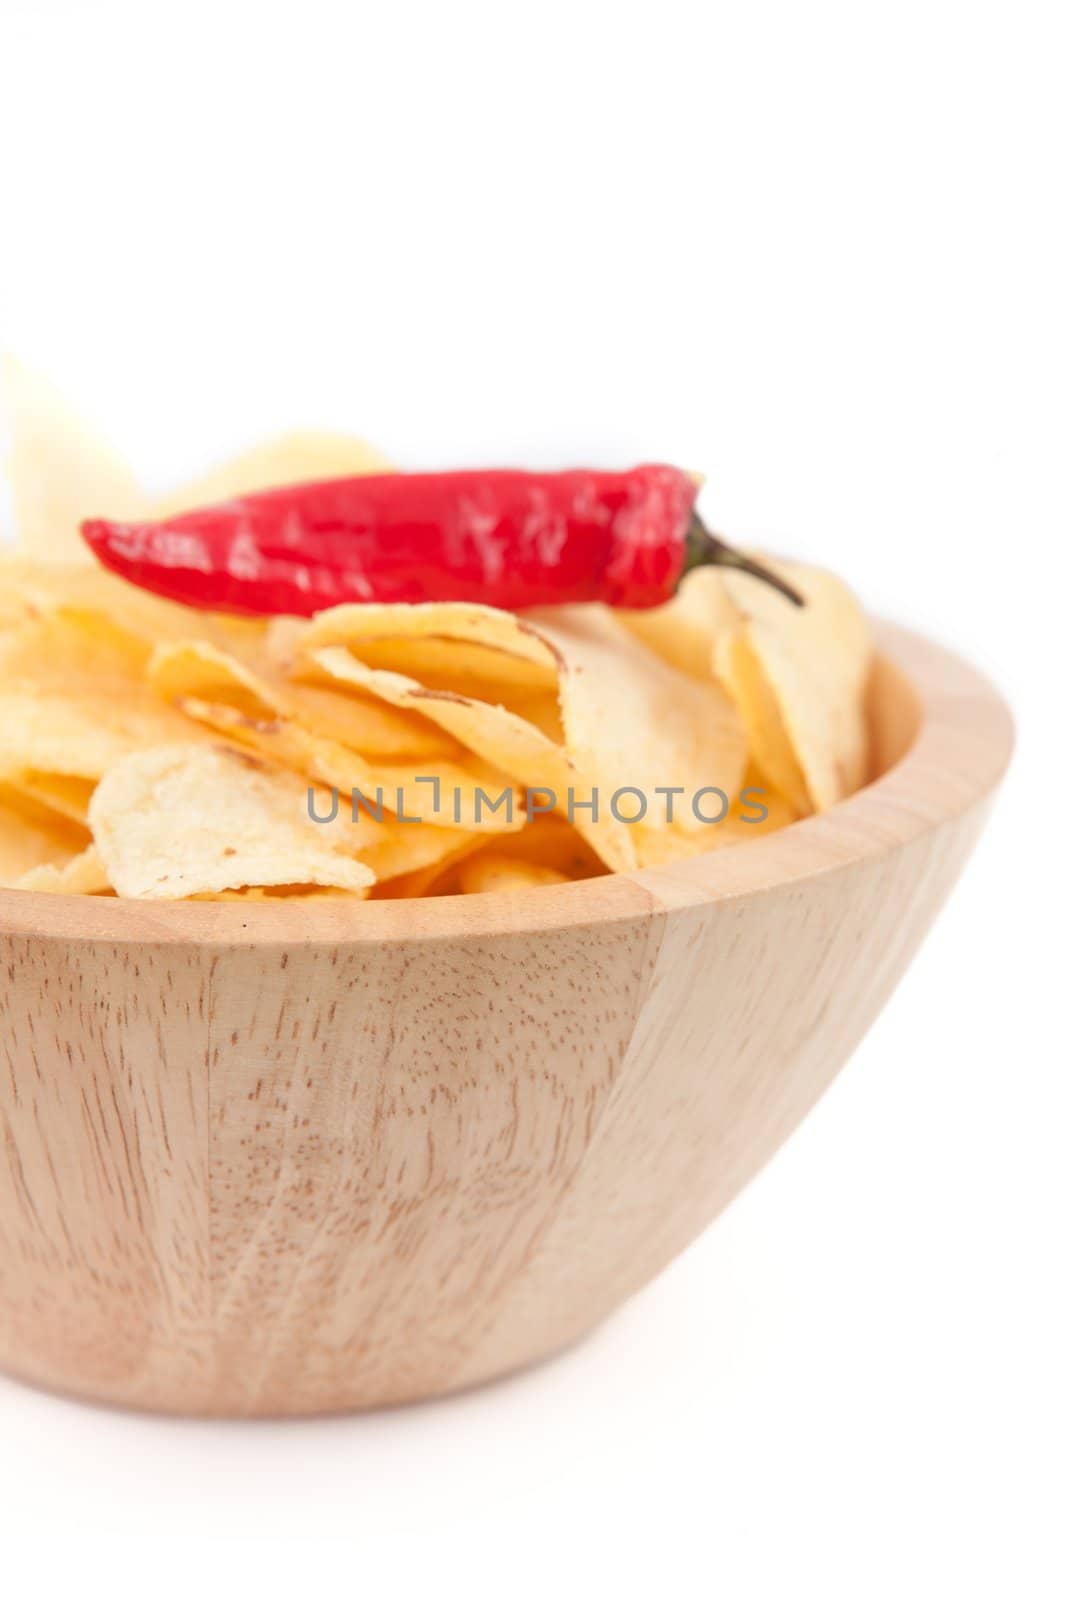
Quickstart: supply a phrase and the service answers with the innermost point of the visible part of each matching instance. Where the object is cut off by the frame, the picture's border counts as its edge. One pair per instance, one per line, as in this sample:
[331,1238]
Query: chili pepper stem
[705,549]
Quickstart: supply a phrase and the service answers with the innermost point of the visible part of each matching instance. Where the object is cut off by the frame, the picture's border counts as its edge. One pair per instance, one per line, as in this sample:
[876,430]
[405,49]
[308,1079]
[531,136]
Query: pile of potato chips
[156,752]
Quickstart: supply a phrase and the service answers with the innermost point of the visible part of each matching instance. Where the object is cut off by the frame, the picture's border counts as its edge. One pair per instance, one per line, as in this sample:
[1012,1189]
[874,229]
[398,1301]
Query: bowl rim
[961,746]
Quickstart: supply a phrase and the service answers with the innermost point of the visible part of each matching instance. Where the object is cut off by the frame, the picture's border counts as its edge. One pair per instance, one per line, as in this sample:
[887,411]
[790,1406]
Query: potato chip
[494,646]
[250,682]
[799,676]
[499,736]
[72,700]
[93,594]
[551,841]
[33,837]
[82,874]
[633,722]
[393,849]
[494,872]
[68,796]
[301,456]
[630,721]
[686,630]
[438,792]
[59,469]
[434,790]
[186,819]
[743,823]
[433,878]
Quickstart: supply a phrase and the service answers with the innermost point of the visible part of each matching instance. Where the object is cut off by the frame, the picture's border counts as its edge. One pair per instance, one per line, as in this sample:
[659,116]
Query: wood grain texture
[286,1158]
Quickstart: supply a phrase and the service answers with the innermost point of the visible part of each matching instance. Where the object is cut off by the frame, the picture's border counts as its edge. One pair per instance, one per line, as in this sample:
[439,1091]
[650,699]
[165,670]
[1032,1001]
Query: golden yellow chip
[434,790]
[551,841]
[33,837]
[444,793]
[507,741]
[506,648]
[433,878]
[68,796]
[251,683]
[687,629]
[93,594]
[495,872]
[799,677]
[756,812]
[72,700]
[635,725]
[187,819]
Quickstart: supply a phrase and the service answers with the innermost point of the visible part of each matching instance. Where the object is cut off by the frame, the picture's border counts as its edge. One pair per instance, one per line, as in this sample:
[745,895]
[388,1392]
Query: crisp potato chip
[116,607]
[33,837]
[799,676]
[77,735]
[551,841]
[758,811]
[59,469]
[494,646]
[72,700]
[68,796]
[443,793]
[507,741]
[250,682]
[438,791]
[393,849]
[495,872]
[686,630]
[82,874]
[187,819]
[301,456]
[633,722]
[630,721]
[429,879]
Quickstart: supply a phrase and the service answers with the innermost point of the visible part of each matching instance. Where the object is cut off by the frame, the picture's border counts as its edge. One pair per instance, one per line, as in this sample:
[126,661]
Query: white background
[818,252]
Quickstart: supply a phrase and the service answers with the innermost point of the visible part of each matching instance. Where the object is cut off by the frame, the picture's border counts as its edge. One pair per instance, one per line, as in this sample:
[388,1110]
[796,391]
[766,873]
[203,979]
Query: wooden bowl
[299,1158]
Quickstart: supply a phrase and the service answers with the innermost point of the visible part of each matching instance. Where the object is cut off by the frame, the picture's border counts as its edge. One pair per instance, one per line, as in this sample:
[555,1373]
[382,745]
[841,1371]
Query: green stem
[705,549]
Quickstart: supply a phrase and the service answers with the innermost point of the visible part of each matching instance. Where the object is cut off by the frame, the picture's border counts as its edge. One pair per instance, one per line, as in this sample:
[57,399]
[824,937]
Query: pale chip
[36,588]
[73,700]
[184,820]
[82,874]
[301,456]
[59,469]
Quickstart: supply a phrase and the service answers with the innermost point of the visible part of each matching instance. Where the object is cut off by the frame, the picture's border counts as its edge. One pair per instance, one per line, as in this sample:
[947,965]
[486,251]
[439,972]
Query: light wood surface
[286,1158]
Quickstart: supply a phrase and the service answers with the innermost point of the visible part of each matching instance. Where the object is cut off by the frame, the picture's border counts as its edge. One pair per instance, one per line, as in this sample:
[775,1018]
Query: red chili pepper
[507,539]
